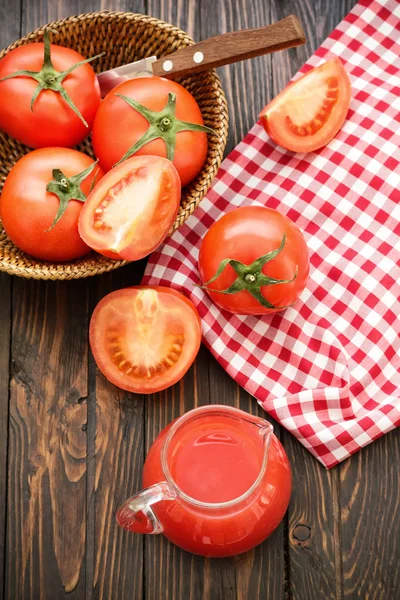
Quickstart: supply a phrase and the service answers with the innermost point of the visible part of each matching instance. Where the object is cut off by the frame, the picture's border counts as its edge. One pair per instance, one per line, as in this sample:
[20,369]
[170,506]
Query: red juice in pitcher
[217,483]
[216,459]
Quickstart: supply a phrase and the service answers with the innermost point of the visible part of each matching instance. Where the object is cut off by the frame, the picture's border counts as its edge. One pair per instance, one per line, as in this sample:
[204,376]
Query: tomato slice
[310,111]
[131,210]
[144,339]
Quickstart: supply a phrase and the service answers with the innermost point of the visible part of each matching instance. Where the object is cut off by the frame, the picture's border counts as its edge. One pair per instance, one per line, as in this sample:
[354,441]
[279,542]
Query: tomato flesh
[132,209]
[310,111]
[144,339]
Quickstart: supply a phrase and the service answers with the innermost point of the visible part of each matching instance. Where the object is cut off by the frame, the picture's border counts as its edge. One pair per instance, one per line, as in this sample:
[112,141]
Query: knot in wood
[301,532]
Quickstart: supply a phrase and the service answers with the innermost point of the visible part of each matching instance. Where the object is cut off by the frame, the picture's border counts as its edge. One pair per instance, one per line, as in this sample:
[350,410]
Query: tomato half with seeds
[144,339]
[254,261]
[130,212]
[309,113]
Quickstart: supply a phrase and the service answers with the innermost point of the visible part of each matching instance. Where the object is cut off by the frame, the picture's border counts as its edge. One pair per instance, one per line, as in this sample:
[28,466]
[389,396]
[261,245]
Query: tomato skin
[147,232]
[172,307]
[52,122]
[118,126]
[245,234]
[28,210]
[274,116]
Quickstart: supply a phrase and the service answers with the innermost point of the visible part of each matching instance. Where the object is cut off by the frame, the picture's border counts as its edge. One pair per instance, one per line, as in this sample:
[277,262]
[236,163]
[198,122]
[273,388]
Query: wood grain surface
[72,446]
[10,30]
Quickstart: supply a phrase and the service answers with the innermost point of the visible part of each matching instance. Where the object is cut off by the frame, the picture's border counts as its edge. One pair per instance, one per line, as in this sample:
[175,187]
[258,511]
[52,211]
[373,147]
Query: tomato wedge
[309,113]
[144,339]
[131,210]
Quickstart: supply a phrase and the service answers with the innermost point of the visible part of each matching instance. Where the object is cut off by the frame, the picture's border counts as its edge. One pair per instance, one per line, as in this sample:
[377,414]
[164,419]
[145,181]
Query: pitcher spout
[264,428]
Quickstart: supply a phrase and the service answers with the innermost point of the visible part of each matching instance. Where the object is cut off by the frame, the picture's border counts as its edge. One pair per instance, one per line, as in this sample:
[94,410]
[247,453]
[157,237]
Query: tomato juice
[231,478]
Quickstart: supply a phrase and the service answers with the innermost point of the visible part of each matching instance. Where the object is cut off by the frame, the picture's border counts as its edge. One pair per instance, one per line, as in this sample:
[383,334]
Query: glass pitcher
[217,483]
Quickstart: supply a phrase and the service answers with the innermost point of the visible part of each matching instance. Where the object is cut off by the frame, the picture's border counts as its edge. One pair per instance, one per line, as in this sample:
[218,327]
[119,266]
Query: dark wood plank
[5,328]
[314,569]
[182,13]
[114,559]
[115,457]
[47,452]
[313,528]
[114,422]
[10,17]
[47,467]
[370,529]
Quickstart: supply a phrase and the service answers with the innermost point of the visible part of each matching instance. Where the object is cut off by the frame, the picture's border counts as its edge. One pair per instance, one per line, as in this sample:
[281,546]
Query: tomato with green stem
[41,201]
[254,261]
[144,339]
[153,116]
[49,95]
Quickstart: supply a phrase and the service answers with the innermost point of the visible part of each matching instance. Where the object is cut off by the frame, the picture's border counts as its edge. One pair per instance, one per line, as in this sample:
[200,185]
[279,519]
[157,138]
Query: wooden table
[72,446]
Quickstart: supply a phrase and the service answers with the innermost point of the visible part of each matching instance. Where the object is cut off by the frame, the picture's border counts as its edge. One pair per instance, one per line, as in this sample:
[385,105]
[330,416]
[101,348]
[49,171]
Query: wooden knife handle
[231,47]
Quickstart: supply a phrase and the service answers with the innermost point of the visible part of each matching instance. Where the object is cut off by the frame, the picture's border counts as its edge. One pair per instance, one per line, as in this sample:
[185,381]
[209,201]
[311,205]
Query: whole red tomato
[254,261]
[32,108]
[161,110]
[40,222]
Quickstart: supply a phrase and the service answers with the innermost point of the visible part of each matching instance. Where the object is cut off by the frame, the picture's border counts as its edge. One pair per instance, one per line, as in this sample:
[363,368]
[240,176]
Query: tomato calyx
[250,277]
[50,79]
[68,188]
[162,124]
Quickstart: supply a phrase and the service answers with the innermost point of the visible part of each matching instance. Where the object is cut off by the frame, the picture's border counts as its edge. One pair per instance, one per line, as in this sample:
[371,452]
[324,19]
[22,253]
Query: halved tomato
[310,111]
[144,339]
[131,210]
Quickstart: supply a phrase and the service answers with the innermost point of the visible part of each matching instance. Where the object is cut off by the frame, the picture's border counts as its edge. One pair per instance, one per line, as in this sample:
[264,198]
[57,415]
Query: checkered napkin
[328,369]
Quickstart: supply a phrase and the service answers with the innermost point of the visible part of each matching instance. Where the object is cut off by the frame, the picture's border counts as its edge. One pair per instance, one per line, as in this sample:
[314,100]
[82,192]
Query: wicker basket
[124,37]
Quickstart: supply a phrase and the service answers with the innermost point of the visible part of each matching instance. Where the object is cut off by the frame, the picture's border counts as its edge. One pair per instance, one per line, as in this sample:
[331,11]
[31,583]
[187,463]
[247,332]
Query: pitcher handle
[136,513]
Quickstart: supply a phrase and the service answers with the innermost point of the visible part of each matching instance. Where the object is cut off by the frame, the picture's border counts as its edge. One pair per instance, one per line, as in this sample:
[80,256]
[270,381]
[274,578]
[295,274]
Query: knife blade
[215,52]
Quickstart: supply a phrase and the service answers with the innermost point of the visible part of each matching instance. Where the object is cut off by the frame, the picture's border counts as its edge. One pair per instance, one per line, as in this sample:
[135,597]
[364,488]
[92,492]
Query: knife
[215,52]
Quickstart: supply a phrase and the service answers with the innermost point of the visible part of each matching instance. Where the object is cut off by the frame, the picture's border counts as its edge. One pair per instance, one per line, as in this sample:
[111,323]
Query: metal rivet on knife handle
[198,57]
[168,65]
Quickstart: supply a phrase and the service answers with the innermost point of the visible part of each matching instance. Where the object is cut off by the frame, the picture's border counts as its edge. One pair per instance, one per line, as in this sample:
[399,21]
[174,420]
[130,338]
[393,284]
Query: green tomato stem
[250,277]
[50,79]
[67,189]
[162,124]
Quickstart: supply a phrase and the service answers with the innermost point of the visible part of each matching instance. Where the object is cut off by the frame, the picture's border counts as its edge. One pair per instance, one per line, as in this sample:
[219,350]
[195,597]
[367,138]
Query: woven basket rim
[94,264]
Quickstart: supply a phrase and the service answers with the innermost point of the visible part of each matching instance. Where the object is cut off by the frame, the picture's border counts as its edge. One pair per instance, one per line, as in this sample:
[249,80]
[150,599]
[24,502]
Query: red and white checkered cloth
[328,369]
